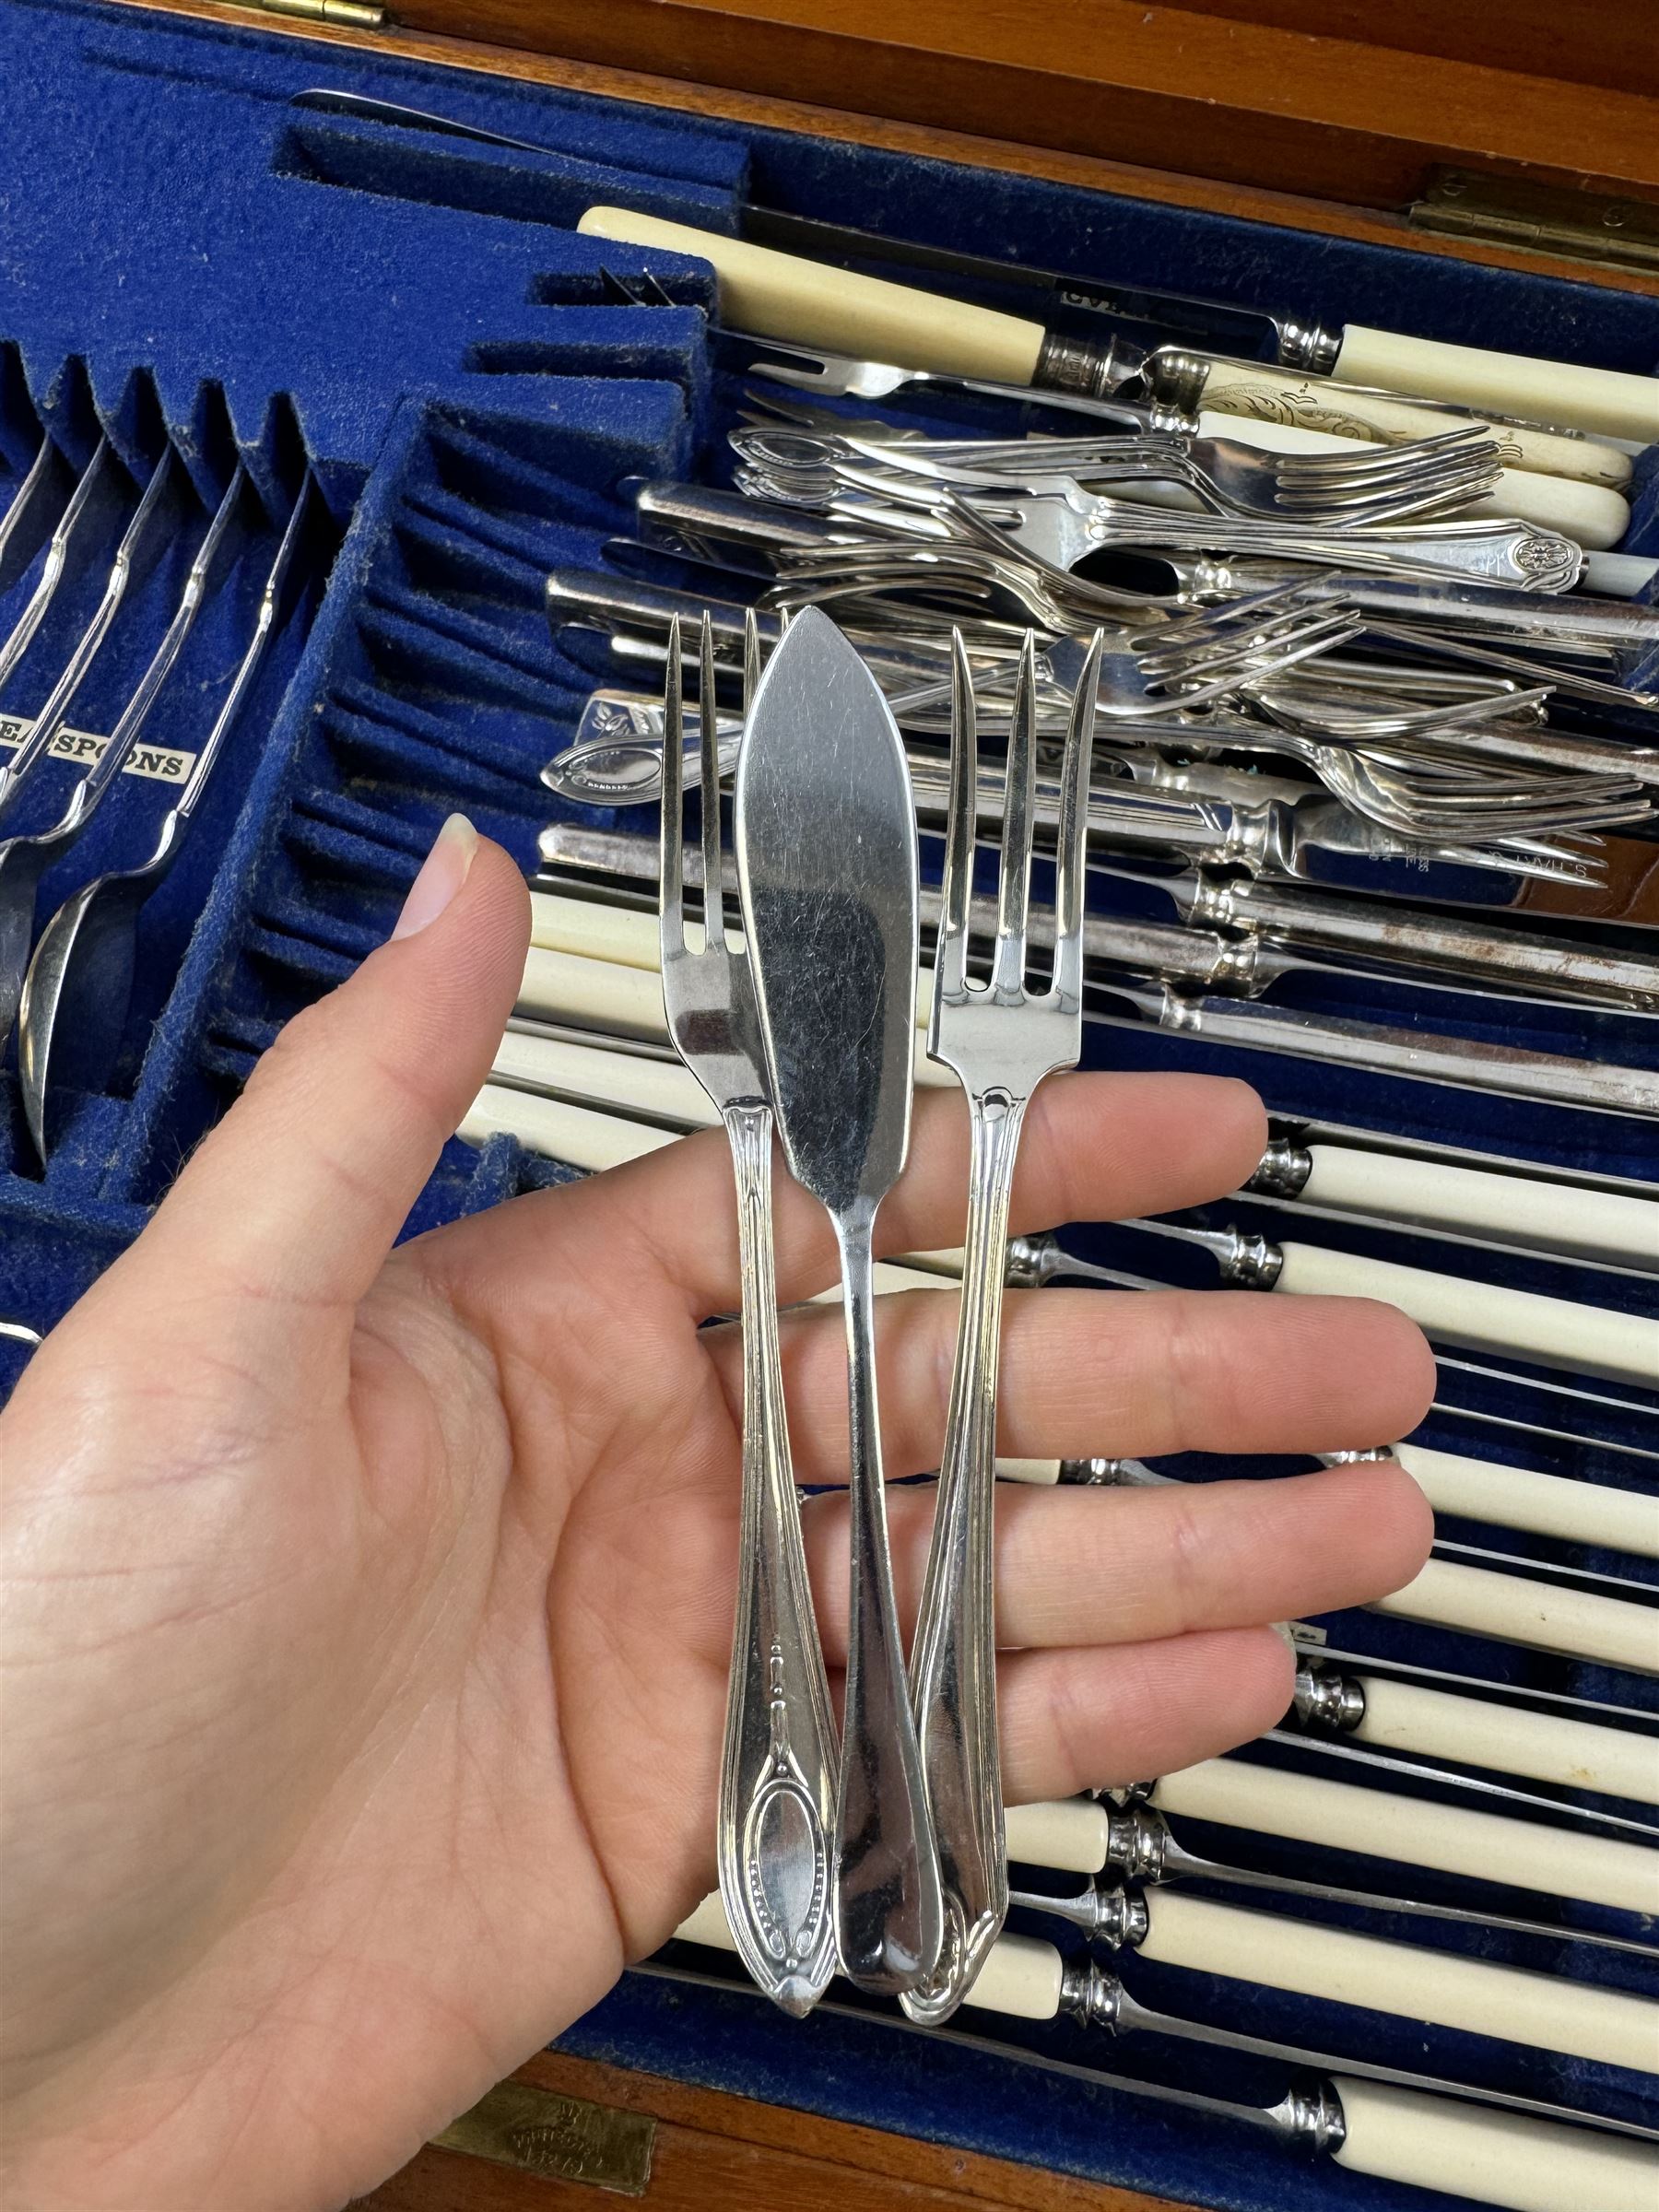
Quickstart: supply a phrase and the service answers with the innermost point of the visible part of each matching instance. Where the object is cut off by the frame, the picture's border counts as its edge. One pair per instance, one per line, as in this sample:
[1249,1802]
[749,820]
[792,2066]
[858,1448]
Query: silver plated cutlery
[1002,1039]
[827,862]
[778,1768]
[25,858]
[79,987]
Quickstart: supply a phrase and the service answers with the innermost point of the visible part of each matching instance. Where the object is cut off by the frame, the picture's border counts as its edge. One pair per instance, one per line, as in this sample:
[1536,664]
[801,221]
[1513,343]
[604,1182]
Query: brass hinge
[347,14]
[1541,218]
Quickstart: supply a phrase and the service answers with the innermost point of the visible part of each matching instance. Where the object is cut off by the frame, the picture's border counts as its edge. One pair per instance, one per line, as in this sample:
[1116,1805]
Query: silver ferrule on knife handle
[1246,1259]
[1088,1992]
[1284,1168]
[1138,1842]
[1312,2115]
[1326,922]
[1178,376]
[1307,346]
[1086,371]
[1323,1699]
[1084,1474]
[1385,1049]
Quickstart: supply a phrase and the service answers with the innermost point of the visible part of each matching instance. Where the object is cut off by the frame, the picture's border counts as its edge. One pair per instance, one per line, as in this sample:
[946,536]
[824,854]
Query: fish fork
[1002,1041]
[1416,795]
[778,1770]
[1377,485]
[1060,531]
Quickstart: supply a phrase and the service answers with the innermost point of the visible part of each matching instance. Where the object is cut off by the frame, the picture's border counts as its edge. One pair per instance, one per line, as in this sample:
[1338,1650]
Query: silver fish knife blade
[826,838]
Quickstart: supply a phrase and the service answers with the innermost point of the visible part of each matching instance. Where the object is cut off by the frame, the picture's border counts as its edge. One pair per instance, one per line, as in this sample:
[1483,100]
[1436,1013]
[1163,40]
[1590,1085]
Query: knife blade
[782,295]
[827,867]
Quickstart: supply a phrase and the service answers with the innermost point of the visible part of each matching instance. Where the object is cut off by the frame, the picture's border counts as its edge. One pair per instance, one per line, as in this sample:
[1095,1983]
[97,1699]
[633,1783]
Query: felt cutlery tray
[185,258]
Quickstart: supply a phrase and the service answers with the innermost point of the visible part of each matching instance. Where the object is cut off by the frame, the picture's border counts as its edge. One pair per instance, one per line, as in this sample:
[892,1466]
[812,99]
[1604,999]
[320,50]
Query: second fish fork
[1002,1040]
[778,1773]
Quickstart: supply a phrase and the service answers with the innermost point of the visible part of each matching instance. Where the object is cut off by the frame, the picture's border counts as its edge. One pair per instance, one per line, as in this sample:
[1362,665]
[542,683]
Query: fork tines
[672,864]
[1006,982]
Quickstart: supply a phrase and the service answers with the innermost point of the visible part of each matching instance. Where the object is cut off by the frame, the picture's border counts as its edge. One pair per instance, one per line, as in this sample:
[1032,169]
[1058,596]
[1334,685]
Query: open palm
[366,1617]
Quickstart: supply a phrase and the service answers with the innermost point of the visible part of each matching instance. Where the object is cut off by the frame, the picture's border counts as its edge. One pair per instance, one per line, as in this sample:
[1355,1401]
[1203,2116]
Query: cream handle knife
[781,296]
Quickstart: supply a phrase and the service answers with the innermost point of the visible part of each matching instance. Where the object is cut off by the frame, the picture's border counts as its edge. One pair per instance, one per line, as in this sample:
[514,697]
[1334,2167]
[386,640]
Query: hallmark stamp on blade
[161,763]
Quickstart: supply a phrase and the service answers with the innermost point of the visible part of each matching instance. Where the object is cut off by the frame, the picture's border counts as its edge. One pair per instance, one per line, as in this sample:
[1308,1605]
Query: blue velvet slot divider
[189,261]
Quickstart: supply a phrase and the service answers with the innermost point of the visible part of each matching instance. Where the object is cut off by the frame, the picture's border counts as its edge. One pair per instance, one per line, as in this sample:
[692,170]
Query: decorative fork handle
[954,1675]
[890,1911]
[778,1774]
[1495,552]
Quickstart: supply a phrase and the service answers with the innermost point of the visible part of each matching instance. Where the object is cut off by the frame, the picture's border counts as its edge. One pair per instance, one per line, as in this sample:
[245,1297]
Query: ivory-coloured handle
[622,1001]
[1617,575]
[891,1275]
[780,296]
[1544,1746]
[1487,1317]
[1415,1831]
[593,995]
[1068,1833]
[1529,1209]
[1493,2158]
[1546,1505]
[1034,1471]
[1548,1617]
[573,1134]
[708,1925]
[581,1138]
[946,1260]
[632,939]
[1445,1988]
[1608,400]
[1021,1976]
[1587,512]
[1246,392]
[589,1074]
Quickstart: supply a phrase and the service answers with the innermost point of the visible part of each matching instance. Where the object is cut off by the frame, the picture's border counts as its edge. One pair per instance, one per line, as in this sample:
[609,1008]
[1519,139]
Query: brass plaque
[564,2137]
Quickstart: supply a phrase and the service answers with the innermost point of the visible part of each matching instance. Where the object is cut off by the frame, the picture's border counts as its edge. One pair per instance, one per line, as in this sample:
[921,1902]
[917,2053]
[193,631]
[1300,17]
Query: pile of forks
[1352,617]
[883,1855]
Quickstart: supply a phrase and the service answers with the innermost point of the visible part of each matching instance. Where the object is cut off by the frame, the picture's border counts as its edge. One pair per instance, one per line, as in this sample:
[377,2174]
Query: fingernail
[443,871]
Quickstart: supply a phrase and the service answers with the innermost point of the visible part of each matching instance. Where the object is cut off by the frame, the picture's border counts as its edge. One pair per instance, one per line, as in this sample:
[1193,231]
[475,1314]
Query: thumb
[296,1195]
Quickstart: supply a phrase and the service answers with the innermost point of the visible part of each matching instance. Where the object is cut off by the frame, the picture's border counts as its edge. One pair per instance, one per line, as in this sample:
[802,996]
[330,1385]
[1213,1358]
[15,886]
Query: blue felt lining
[187,258]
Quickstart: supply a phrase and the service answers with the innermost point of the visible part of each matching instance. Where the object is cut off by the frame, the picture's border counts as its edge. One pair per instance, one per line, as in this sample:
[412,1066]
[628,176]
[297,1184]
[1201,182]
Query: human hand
[368,1613]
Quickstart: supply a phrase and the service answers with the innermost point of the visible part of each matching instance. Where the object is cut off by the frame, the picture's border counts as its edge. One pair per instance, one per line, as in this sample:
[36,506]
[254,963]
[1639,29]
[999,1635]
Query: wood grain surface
[715,2153]
[1163,180]
[1171,87]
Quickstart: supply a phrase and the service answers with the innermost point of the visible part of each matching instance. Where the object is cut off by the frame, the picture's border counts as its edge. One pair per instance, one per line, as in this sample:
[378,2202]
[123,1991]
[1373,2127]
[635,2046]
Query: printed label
[161,763]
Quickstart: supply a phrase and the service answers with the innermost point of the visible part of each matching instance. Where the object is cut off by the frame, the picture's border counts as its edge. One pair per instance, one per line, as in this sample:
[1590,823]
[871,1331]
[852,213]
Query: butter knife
[825,839]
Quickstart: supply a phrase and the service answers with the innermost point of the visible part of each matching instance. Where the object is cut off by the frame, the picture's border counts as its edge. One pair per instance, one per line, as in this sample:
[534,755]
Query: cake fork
[1002,1041]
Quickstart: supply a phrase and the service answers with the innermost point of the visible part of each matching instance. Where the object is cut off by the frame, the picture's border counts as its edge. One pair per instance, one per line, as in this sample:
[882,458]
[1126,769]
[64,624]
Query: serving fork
[777,1768]
[1002,1040]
